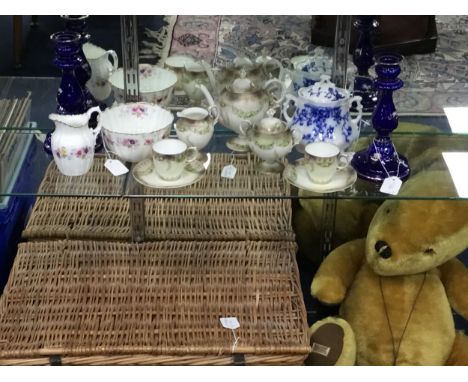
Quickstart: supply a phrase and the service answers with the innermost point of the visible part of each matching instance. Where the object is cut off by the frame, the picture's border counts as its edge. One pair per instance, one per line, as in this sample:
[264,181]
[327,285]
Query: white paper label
[116,167]
[229,172]
[391,185]
[230,322]
[320,349]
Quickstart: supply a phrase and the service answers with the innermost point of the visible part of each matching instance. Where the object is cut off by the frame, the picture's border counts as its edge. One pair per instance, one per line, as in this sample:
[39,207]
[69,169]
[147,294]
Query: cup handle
[343,162]
[192,154]
[115,59]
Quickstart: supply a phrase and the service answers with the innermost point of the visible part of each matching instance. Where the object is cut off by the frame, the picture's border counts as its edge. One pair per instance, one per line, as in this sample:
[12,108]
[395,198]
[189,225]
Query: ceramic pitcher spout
[74,120]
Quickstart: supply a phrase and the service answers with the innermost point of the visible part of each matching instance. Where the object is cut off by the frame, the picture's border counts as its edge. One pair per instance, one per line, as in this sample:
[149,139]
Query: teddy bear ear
[447,211]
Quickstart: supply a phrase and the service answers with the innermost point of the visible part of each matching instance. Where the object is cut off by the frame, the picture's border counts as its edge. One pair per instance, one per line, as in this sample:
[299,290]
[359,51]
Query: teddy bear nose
[383,249]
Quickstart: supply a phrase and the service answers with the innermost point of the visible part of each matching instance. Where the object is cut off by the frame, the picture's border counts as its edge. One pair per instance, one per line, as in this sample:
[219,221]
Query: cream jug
[73,142]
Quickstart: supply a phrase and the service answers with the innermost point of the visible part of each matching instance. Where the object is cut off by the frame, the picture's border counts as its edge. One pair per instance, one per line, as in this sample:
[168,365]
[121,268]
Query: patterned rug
[432,81]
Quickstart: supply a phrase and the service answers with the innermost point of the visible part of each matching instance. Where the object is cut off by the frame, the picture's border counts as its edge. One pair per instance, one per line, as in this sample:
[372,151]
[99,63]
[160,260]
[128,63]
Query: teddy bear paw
[328,290]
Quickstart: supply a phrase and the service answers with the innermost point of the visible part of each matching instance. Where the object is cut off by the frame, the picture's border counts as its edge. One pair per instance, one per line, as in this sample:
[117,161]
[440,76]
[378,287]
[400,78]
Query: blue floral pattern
[322,123]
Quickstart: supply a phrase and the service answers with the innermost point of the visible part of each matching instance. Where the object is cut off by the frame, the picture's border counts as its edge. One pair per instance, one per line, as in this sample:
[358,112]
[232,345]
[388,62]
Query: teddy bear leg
[459,354]
[332,342]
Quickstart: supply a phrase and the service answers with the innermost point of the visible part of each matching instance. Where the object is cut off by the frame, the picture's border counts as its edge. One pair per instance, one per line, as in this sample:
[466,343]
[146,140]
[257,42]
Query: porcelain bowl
[129,130]
[156,84]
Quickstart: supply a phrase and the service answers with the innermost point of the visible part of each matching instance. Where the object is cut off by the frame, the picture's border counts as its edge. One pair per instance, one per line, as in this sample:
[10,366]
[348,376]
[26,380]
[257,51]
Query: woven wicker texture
[166,218]
[97,302]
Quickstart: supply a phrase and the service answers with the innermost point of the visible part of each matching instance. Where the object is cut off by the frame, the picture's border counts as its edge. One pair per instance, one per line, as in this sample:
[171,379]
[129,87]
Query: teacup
[170,156]
[323,160]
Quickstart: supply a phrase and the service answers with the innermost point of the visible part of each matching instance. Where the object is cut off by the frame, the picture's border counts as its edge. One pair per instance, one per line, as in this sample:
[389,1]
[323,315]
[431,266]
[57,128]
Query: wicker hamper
[165,218]
[97,302]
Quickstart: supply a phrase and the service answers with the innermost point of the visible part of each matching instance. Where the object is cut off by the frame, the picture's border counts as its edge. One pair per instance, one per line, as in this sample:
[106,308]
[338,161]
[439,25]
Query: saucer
[296,174]
[144,174]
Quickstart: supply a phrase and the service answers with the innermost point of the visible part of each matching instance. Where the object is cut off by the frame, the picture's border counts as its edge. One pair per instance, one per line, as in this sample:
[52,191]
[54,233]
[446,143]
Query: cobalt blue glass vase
[70,98]
[380,160]
[363,58]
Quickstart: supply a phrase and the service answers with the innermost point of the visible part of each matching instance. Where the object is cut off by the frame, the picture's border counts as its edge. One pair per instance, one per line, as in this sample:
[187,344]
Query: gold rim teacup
[170,156]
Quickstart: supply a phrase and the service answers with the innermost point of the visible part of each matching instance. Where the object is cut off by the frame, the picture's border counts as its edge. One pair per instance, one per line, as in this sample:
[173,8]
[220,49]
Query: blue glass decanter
[363,58]
[70,97]
[381,160]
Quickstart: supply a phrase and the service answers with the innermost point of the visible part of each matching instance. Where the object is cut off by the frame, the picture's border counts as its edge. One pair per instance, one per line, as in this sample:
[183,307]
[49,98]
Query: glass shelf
[422,139]
[423,152]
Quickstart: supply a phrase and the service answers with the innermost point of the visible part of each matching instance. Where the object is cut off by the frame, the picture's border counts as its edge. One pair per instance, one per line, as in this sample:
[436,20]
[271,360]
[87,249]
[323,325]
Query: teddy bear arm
[454,276]
[337,271]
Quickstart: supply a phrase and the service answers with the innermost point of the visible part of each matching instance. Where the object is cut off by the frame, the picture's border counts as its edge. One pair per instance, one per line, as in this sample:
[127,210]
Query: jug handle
[275,64]
[115,59]
[289,98]
[211,76]
[356,99]
[97,129]
[275,82]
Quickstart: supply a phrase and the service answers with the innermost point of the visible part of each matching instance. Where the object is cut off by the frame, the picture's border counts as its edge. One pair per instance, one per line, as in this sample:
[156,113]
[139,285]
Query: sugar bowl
[271,140]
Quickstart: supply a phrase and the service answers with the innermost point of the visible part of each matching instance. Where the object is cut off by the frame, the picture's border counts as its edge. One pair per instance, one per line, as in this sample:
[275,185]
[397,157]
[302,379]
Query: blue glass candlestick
[70,98]
[83,72]
[381,160]
[363,58]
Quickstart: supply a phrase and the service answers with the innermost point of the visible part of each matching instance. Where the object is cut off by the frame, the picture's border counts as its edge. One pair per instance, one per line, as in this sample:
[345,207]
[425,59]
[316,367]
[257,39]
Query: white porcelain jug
[73,142]
[101,69]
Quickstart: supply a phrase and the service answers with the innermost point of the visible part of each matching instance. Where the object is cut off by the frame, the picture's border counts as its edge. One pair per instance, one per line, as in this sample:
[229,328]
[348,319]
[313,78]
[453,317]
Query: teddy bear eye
[429,251]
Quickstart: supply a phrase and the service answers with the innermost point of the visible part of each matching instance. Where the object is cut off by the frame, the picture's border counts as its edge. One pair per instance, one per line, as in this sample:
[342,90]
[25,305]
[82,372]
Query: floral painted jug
[322,114]
[73,142]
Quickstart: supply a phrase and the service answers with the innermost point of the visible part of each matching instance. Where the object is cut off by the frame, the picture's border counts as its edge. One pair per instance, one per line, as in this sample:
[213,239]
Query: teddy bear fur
[399,307]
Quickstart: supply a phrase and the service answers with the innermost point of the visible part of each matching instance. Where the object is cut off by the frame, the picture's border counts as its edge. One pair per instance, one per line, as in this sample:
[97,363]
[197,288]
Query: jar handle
[289,98]
[356,99]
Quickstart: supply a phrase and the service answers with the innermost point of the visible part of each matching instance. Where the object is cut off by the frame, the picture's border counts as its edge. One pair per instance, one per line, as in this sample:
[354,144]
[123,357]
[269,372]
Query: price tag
[116,167]
[320,349]
[391,185]
[229,171]
[230,322]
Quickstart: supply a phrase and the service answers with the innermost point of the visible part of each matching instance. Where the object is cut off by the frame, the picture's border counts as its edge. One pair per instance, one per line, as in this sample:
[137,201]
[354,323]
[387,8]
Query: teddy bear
[396,287]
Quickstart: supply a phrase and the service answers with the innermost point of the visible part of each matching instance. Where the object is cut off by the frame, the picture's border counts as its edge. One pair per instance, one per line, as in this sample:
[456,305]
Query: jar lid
[271,125]
[323,91]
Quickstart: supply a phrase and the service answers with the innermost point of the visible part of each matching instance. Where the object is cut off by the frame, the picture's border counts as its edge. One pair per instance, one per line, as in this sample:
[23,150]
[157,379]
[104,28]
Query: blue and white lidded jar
[322,114]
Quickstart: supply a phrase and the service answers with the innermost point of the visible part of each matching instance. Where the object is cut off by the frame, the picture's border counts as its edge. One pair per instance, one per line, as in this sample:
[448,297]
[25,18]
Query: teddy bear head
[413,236]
